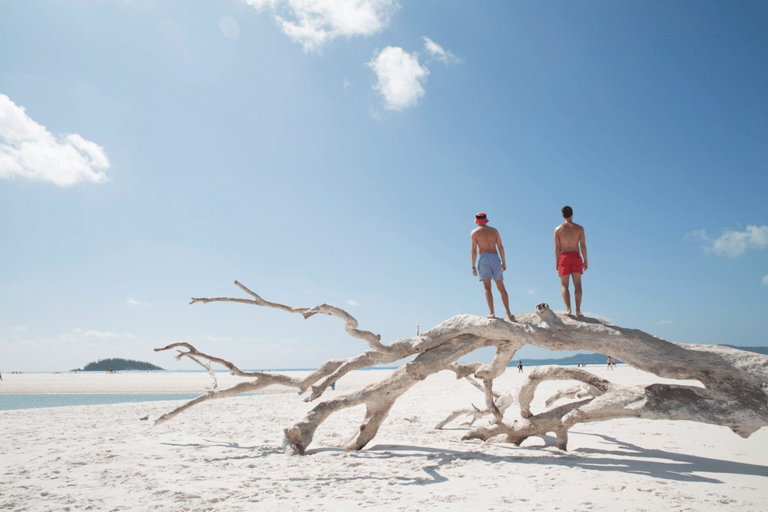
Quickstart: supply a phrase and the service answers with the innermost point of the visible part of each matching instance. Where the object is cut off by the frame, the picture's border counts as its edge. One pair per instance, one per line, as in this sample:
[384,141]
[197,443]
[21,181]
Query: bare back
[485,239]
[568,235]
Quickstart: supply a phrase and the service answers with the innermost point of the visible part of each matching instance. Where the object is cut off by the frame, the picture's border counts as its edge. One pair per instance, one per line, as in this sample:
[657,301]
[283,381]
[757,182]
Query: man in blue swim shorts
[486,240]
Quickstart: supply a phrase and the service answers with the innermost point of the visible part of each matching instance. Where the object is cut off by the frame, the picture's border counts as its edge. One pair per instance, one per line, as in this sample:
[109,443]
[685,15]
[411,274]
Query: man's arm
[501,251]
[557,247]
[474,253]
[583,243]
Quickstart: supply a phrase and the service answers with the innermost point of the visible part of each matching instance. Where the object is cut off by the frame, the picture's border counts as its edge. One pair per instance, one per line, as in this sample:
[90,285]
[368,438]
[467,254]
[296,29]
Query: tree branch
[733,395]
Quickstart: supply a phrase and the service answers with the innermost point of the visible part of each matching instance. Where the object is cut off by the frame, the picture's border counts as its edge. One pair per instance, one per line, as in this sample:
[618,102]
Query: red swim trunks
[569,263]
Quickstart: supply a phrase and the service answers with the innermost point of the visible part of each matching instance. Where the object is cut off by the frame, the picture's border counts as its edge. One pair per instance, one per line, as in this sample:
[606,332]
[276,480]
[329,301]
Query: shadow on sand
[619,456]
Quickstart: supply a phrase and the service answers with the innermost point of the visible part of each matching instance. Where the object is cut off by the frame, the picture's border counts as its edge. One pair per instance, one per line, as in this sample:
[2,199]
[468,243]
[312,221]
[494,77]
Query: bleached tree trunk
[733,393]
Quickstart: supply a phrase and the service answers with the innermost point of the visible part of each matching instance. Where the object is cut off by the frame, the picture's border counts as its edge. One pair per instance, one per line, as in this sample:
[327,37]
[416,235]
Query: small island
[117,365]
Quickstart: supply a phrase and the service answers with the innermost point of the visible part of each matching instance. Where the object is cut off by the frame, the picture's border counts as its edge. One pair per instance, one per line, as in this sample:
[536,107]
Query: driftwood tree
[734,392]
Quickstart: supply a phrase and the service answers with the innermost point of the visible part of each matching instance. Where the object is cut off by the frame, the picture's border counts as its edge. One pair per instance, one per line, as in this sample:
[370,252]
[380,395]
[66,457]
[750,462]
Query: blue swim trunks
[489,267]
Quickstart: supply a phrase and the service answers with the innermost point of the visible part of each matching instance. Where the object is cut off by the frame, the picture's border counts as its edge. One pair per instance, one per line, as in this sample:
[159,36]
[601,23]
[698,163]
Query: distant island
[117,365]
[595,358]
[756,350]
[592,358]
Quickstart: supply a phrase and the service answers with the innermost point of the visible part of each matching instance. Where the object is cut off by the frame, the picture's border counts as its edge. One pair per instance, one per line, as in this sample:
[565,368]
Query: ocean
[9,402]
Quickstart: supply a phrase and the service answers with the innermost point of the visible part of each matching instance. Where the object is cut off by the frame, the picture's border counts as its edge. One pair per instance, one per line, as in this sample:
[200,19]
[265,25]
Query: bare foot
[490,316]
[578,314]
[568,312]
[510,317]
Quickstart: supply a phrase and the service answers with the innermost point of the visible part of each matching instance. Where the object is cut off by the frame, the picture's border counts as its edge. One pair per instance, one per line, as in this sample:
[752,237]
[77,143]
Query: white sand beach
[227,454]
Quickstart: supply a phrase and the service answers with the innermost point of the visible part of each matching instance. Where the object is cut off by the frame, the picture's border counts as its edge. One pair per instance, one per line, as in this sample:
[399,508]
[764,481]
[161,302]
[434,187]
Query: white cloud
[590,314]
[437,51]
[352,302]
[532,291]
[664,322]
[217,339]
[734,243]
[765,280]
[697,234]
[312,23]
[99,335]
[400,77]
[27,149]
[133,302]
[77,332]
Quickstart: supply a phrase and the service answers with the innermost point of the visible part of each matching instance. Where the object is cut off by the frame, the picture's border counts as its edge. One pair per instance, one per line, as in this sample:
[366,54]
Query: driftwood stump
[734,392]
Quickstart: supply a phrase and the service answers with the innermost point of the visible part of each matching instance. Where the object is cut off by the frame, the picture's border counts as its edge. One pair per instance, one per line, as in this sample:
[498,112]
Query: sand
[227,455]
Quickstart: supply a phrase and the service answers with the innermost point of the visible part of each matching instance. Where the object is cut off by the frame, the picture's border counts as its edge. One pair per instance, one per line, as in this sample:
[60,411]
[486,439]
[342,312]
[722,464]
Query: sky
[337,151]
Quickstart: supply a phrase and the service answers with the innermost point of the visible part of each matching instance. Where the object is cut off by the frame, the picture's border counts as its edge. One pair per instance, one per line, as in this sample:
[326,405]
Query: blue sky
[337,151]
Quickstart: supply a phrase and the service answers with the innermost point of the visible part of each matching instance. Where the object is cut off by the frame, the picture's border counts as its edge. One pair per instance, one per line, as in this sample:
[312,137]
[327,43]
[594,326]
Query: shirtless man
[486,239]
[568,237]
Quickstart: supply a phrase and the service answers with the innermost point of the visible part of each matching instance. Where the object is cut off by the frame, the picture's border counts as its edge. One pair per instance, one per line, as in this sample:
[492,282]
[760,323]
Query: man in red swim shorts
[569,236]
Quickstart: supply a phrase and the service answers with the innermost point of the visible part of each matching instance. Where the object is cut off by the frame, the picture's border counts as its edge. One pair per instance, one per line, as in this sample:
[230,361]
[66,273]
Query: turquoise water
[9,402]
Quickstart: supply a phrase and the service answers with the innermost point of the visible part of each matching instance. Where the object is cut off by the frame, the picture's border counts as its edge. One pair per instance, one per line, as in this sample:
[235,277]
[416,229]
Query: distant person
[519,367]
[569,237]
[486,240]
[610,361]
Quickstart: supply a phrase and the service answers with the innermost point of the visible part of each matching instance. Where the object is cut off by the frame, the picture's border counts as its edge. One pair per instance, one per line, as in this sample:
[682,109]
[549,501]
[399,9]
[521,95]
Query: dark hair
[567,212]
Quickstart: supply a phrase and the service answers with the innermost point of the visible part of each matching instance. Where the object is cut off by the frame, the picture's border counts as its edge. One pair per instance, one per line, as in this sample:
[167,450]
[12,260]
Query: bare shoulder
[485,230]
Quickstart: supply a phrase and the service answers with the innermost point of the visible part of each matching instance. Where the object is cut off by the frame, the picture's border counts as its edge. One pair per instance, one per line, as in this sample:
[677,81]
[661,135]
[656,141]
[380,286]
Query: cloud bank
[734,243]
[28,150]
[313,23]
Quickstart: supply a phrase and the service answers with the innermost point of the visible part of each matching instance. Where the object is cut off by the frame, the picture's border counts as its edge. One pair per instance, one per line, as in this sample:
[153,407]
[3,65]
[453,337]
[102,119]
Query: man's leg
[504,297]
[577,292]
[564,282]
[488,295]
